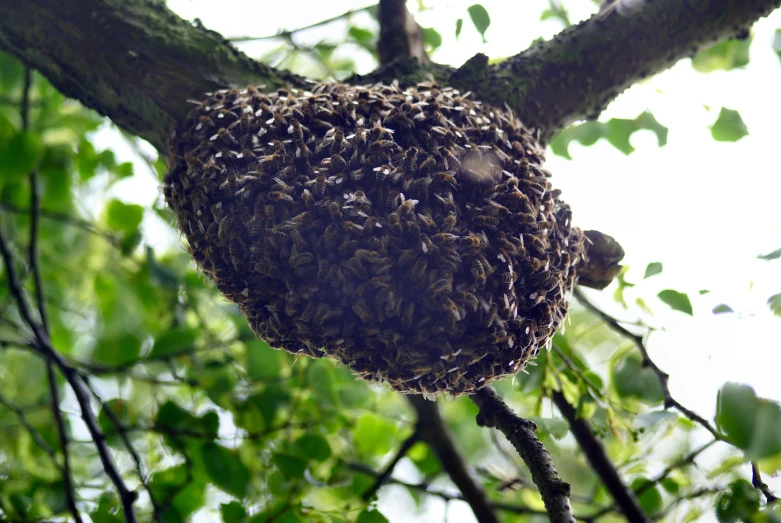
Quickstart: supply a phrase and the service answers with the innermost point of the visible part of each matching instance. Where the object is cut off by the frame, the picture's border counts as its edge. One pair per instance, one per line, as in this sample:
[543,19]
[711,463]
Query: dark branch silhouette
[383,477]
[521,434]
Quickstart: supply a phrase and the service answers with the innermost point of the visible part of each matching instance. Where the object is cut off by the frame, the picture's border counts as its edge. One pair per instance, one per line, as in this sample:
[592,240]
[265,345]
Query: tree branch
[138,63]
[386,474]
[433,430]
[400,35]
[134,61]
[756,480]
[521,433]
[600,462]
[44,347]
[578,72]
[287,34]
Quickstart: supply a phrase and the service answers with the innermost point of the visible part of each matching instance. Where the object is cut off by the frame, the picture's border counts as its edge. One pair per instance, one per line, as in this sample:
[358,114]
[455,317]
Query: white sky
[703,208]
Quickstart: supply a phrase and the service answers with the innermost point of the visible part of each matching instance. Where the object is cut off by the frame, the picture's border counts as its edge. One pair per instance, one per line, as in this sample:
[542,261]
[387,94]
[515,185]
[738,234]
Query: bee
[488,318]
[478,272]
[224,227]
[337,163]
[495,209]
[382,266]
[427,165]
[447,202]
[438,368]
[236,249]
[406,257]
[418,273]
[212,230]
[408,165]
[279,196]
[428,223]
[408,316]
[395,224]
[353,228]
[331,236]
[338,143]
[322,313]
[445,177]
[367,255]
[348,247]
[361,309]
[444,238]
[305,218]
[470,241]
[303,258]
[322,268]
[406,207]
[309,200]
[335,211]
[488,371]
[413,227]
[382,172]
[298,239]
[449,223]
[357,268]
[390,199]
[225,136]
[489,222]
[449,158]
[441,286]
[281,237]
[296,130]
[420,188]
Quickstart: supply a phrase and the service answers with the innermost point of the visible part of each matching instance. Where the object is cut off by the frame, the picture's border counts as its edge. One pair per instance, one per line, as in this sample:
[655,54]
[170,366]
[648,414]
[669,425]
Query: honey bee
[447,202]
[236,249]
[489,222]
[408,165]
[427,165]
[338,143]
[382,266]
[357,268]
[406,207]
[488,318]
[449,158]
[337,163]
[322,313]
[449,223]
[353,228]
[418,273]
[299,259]
[348,247]
[335,211]
[406,257]
[279,196]
[303,218]
[495,209]
[212,230]
[224,227]
[361,310]
[408,316]
[441,286]
[438,368]
[298,239]
[478,272]
[395,224]
[445,177]
[427,223]
[331,236]
[367,255]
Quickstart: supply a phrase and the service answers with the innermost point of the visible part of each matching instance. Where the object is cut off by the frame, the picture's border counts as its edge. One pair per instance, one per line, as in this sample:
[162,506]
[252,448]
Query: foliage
[202,418]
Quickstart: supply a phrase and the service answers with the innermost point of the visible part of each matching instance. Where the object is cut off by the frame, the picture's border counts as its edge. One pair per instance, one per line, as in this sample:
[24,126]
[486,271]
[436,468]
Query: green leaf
[651,499]
[676,300]
[374,435]
[722,308]
[729,127]
[617,131]
[726,55]
[371,515]
[225,469]
[233,512]
[777,42]
[174,341]
[423,458]
[480,18]
[123,412]
[431,38]
[750,423]
[459,27]
[771,256]
[186,486]
[117,350]
[289,465]
[631,379]
[775,303]
[653,269]
[739,504]
[173,419]
[123,217]
[314,446]
[652,418]
[556,427]
[363,37]
[20,155]
[263,362]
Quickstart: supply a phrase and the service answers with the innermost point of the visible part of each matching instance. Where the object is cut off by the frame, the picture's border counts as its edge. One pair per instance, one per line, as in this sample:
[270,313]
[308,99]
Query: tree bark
[138,63]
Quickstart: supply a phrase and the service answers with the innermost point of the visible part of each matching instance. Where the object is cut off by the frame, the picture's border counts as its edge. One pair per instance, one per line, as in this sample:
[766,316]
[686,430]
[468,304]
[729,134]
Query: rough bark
[400,35]
[138,63]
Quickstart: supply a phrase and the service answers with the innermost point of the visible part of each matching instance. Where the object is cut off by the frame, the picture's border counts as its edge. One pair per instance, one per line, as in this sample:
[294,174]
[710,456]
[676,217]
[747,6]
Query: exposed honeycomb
[411,234]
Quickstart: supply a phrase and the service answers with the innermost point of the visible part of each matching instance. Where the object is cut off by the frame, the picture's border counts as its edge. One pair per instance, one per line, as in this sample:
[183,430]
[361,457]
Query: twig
[433,430]
[44,346]
[600,462]
[386,473]
[66,219]
[693,495]
[756,480]
[288,33]
[426,488]
[521,433]
[30,428]
[669,401]
[40,299]
[400,35]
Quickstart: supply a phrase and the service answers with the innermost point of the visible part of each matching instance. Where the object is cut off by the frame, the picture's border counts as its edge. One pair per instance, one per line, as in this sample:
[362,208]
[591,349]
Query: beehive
[411,234]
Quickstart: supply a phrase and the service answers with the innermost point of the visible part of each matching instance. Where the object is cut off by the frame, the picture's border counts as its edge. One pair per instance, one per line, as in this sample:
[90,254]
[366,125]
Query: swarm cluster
[411,234]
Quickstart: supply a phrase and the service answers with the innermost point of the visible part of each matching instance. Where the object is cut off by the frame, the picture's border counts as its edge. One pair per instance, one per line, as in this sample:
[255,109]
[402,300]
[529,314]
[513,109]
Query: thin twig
[288,33]
[756,480]
[669,401]
[44,346]
[600,462]
[40,299]
[386,473]
[434,431]
[30,428]
[521,433]
[65,219]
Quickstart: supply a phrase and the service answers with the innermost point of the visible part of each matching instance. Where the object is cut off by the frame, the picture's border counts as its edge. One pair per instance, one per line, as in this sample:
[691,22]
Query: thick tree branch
[400,35]
[137,63]
[578,72]
[134,61]
[433,430]
[521,433]
[600,462]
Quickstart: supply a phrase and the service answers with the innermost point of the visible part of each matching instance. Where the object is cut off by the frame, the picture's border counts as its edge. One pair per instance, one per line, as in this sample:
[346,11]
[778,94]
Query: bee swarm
[410,234]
